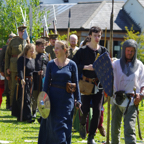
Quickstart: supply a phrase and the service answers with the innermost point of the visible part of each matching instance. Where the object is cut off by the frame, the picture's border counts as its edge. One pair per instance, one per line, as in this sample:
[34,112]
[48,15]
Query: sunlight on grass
[22,132]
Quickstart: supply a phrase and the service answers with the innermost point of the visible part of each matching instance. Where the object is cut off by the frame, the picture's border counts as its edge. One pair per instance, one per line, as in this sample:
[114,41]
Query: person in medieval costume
[84,59]
[128,73]
[3,72]
[41,61]
[73,40]
[28,54]
[77,117]
[50,48]
[14,48]
[60,73]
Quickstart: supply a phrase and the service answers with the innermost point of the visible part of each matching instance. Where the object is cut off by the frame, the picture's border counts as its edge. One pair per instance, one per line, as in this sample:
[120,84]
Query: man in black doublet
[41,61]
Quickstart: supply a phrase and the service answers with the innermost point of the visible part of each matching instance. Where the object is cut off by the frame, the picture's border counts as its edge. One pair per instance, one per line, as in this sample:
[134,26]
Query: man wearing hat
[15,47]
[2,65]
[40,71]
[50,49]
[46,38]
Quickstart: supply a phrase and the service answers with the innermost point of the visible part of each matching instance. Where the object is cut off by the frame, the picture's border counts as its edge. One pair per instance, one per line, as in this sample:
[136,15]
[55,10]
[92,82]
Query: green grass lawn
[20,132]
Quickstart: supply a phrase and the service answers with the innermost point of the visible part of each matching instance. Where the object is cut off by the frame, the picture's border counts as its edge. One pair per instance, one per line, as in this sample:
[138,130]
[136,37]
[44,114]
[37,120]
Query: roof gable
[121,18]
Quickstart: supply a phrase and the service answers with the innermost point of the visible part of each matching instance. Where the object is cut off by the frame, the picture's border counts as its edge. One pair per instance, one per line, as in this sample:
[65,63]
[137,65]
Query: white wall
[136,12]
[61,1]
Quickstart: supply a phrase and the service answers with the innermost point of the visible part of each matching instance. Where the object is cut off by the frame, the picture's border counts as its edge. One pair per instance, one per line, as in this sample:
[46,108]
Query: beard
[73,45]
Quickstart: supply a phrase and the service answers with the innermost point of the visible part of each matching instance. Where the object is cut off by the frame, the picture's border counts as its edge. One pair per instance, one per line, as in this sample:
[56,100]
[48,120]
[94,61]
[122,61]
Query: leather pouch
[86,87]
[70,87]
[120,97]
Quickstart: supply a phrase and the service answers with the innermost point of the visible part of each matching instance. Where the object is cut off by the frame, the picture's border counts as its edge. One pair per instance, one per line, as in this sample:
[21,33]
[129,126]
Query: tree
[64,36]
[11,16]
[139,38]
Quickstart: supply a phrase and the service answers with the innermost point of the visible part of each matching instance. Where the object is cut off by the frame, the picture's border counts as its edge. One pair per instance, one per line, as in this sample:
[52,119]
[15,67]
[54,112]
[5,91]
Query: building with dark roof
[87,14]
[135,10]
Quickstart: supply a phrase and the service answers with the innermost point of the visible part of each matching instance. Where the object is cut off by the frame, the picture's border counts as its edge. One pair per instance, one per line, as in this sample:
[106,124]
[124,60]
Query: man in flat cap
[2,65]
[49,49]
[40,71]
[15,47]
[46,38]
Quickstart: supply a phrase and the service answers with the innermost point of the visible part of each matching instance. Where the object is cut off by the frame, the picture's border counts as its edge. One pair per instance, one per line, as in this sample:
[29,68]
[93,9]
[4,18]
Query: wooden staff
[22,103]
[111,48]
[105,37]
[138,121]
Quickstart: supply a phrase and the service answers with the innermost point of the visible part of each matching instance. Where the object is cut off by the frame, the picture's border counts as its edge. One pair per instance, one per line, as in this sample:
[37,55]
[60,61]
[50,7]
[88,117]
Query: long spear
[46,31]
[69,16]
[110,45]
[31,23]
[25,35]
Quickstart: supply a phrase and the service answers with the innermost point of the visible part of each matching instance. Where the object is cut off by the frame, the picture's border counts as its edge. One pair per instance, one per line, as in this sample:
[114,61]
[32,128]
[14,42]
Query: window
[66,1]
[117,49]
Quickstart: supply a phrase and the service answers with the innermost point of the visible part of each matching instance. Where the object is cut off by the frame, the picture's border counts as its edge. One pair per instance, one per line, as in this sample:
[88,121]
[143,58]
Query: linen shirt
[126,83]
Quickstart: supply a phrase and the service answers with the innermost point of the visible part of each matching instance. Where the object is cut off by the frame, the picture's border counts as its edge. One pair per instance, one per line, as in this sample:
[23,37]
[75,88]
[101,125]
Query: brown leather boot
[102,131]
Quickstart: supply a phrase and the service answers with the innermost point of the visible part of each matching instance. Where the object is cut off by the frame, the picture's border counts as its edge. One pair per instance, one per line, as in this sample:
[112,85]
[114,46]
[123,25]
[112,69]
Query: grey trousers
[129,124]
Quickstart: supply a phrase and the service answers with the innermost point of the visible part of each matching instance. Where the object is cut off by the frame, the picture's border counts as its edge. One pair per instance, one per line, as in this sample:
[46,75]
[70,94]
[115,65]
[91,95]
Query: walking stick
[138,122]
[22,103]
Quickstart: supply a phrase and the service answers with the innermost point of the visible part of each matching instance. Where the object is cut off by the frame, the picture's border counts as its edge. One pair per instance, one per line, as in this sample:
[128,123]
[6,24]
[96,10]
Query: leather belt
[14,56]
[58,86]
[92,80]
[26,77]
[18,81]
[29,77]
[129,96]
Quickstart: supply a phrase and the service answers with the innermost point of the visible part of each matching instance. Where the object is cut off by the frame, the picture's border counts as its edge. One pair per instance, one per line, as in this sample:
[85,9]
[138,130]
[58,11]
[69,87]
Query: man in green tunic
[2,65]
[15,47]
[50,49]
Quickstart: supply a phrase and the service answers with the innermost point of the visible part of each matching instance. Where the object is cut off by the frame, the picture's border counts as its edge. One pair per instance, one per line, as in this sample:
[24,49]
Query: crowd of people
[63,65]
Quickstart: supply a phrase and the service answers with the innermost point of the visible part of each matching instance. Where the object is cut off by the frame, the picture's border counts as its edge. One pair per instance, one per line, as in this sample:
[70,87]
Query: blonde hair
[28,47]
[64,45]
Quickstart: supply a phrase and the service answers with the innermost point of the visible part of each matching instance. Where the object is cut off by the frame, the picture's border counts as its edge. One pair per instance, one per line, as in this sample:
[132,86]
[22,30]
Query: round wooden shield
[43,103]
